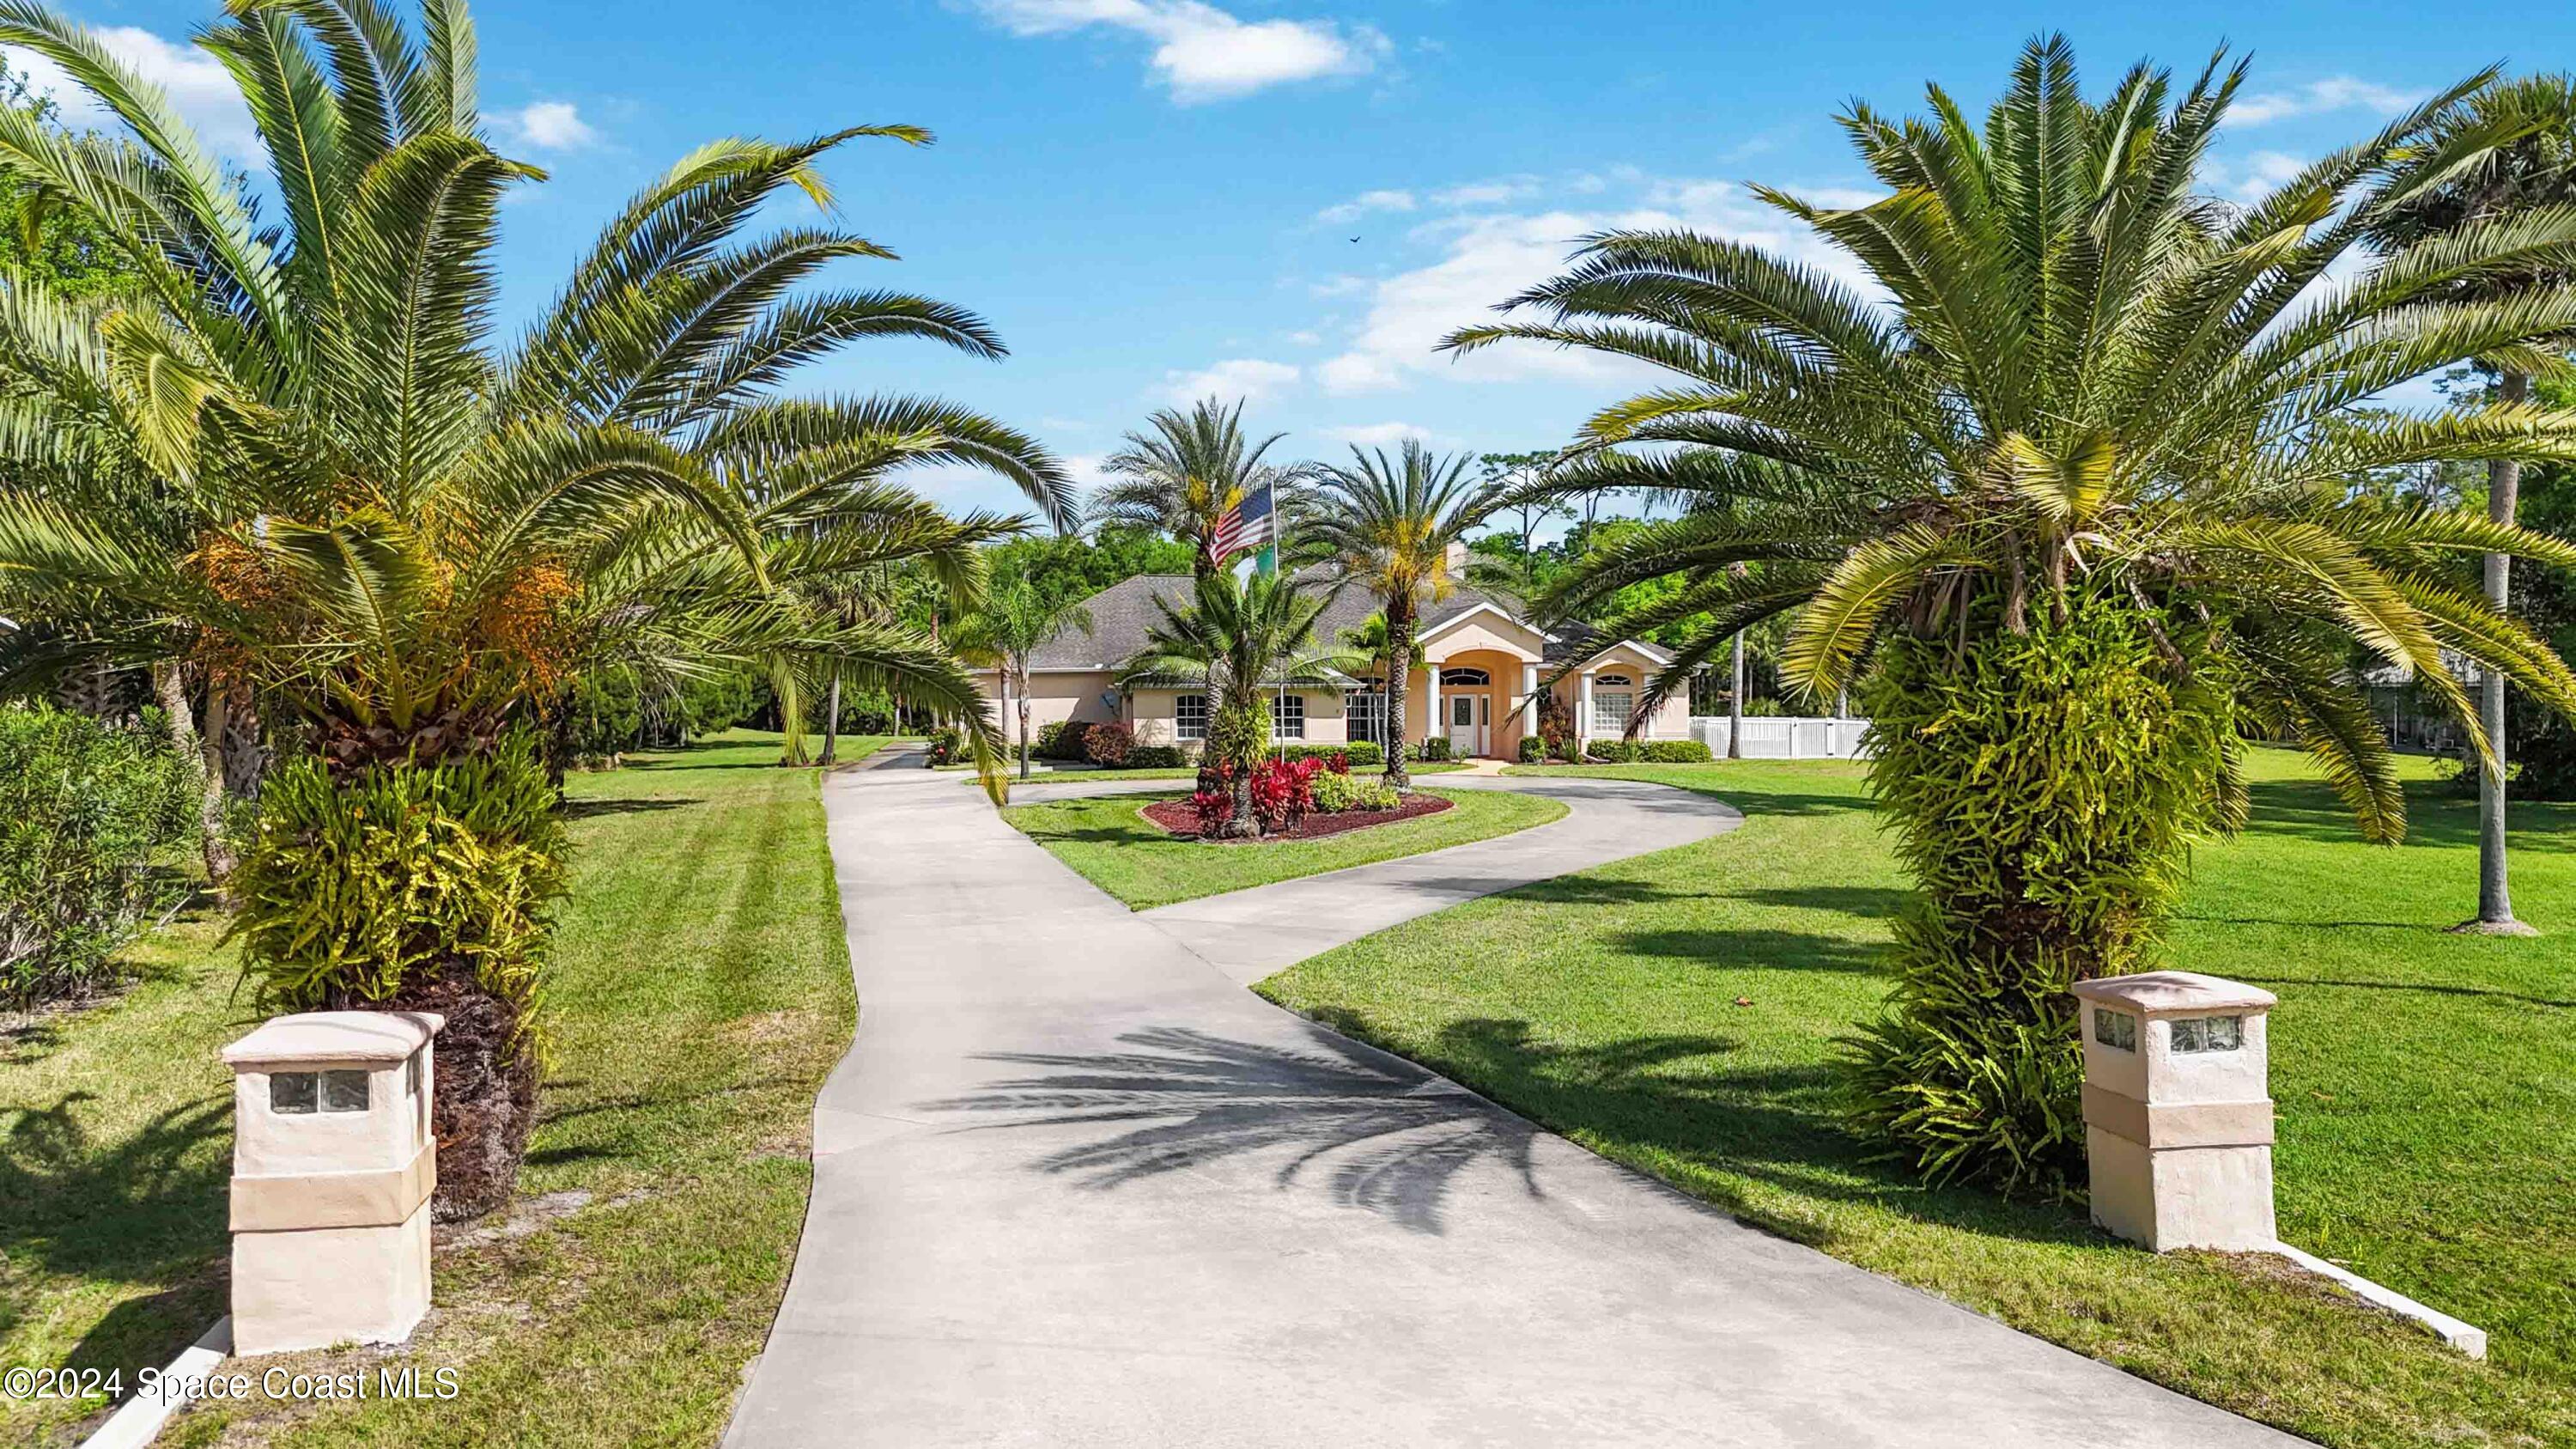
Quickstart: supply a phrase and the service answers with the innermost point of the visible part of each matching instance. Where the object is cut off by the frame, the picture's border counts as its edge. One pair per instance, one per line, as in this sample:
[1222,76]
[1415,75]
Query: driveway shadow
[1373,1133]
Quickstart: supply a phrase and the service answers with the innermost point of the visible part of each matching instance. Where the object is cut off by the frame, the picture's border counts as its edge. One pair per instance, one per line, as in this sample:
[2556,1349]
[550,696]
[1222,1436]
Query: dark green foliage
[1157,757]
[1240,735]
[1432,750]
[1651,752]
[1357,752]
[603,717]
[85,808]
[2044,791]
[947,745]
[351,888]
[1614,752]
[1533,750]
[1071,568]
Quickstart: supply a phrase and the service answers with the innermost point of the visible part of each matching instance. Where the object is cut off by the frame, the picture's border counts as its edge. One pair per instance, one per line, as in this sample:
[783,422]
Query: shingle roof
[1123,612]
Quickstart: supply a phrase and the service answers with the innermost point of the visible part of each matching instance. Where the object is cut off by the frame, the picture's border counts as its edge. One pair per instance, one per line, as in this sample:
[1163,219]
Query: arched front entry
[1478,705]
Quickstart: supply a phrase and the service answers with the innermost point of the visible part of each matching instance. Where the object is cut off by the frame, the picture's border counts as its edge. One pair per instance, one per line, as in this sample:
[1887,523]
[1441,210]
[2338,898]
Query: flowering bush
[1214,798]
[1108,745]
[947,743]
[1283,791]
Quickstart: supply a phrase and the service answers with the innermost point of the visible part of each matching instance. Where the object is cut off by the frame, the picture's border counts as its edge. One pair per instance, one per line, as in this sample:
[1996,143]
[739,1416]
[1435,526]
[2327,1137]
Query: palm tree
[401,531]
[1015,622]
[1239,636]
[2093,408]
[1388,524]
[2529,165]
[1182,478]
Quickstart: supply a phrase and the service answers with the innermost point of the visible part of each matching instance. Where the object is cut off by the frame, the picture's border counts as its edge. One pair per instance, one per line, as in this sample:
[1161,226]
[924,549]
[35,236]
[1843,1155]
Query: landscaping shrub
[947,745]
[85,807]
[1050,740]
[1364,753]
[1156,757]
[1214,799]
[1432,750]
[600,717]
[1676,752]
[2044,791]
[1283,791]
[1109,746]
[426,888]
[1615,752]
[1336,793]
[1533,749]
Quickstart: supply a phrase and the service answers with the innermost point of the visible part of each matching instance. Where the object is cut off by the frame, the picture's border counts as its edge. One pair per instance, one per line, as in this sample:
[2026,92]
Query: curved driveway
[1076,1187]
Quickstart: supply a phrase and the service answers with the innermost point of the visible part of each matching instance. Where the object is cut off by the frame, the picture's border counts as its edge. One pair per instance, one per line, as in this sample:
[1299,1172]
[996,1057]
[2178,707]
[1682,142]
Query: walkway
[1074,1187]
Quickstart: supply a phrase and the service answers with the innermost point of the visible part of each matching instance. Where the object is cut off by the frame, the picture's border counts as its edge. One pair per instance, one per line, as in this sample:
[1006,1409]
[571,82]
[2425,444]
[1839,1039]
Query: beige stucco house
[1478,670]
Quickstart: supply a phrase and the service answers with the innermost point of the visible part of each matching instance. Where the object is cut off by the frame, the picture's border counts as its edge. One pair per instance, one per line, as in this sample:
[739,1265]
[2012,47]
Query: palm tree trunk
[2495,896]
[220,858]
[1735,705]
[832,721]
[1399,683]
[1024,729]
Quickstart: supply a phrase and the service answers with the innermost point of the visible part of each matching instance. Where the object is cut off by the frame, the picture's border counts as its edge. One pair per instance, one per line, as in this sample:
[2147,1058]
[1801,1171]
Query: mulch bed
[1175,817]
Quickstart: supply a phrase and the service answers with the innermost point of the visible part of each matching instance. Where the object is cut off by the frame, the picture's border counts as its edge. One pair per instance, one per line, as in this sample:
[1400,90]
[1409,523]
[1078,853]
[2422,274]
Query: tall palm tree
[1007,632]
[1182,476]
[2092,407]
[1388,524]
[2528,165]
[399,529]
[396,527]
[1239,636]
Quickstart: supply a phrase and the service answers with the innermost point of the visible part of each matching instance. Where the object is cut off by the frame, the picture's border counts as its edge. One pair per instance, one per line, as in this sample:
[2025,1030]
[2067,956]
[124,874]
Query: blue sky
[1153,199]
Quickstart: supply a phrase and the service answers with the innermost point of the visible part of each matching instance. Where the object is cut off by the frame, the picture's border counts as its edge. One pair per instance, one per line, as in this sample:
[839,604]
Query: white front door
[1467,723]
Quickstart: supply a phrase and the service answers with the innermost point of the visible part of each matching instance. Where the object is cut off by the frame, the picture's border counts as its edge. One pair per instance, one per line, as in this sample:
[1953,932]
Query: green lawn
[700,992]
[2426,1082]
[1191,772]
[1118,850]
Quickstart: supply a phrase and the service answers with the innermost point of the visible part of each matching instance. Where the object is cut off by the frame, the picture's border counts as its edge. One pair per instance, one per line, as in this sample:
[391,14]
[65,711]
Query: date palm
[2084,377]
[1183,475]
[1387,524]
[403,530]
[1239,636]
[2530,165]
[2085,447]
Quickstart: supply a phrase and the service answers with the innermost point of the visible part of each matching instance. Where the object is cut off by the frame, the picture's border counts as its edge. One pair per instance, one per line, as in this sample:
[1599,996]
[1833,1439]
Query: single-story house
[1476,676]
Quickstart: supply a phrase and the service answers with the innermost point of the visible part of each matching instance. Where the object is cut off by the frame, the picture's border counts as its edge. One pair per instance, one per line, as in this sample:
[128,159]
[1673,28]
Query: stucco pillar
[1583,717]
[333,1167]
[1436,724]
[2178,1110]
[1529,701]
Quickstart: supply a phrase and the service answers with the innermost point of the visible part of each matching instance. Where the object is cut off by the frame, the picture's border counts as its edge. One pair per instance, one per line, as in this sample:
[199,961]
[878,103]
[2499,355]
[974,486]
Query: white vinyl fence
[1785,737]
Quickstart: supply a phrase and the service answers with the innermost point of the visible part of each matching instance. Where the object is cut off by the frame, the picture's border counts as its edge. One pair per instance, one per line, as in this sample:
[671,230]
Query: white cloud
[2253,178]
[1245,379]
[1340,284]
[1380,435]
[200,89]
[1364,203]
[2335,93]
[1203,53]
[1306,337]
[1486,258]
[1486,193]
[552,125]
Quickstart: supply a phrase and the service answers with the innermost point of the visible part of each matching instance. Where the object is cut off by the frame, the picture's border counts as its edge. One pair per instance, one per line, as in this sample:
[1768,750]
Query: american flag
[1246,525]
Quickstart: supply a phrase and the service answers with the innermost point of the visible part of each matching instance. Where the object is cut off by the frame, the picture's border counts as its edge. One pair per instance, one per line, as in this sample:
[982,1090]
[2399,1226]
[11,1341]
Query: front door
[1467,723]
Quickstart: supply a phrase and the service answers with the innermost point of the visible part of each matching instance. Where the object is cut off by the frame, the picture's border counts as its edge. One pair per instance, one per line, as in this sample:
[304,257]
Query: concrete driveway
[1076,1187]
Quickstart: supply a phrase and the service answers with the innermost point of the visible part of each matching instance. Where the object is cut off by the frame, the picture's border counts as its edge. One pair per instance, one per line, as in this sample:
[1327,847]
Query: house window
[1364,715]
[1464,679]
[1287,716]
[1610,710]
[1190,716]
